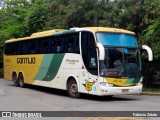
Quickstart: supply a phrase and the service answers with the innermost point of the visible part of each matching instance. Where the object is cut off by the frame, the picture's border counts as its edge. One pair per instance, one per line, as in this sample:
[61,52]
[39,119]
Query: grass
[151,90]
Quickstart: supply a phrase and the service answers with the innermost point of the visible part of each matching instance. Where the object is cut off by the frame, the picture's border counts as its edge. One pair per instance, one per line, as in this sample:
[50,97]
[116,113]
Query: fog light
[104,83]
[103,91]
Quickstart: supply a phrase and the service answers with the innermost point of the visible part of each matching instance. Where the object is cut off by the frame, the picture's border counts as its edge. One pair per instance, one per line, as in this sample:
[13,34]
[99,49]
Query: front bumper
[104,90]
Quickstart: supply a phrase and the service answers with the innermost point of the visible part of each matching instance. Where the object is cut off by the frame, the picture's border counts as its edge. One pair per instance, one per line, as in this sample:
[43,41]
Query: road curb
[150,93]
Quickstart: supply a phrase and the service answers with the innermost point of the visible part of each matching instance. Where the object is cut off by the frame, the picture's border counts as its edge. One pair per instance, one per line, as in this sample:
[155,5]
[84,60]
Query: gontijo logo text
[31,60]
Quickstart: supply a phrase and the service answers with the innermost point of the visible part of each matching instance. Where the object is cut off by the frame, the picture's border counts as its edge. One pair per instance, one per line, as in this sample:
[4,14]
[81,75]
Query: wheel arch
[15,72]
[70,78]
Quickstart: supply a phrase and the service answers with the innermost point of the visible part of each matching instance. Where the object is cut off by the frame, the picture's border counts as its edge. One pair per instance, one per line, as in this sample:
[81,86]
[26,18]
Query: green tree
[37,15]
[13,19]
[75,13]
[129,14]
[140,16]
[150,33]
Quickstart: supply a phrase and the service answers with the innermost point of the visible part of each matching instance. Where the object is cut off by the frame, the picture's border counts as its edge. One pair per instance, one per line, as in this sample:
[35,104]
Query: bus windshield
[121,62]
[116,39]
[122,57]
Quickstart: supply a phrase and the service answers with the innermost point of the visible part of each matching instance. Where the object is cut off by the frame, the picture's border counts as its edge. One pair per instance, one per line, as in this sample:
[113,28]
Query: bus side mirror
[149,51]
[101,51]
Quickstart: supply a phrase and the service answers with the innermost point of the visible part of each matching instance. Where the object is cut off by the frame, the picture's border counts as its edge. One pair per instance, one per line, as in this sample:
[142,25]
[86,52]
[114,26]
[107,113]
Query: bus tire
[15,80]
[72,88]
[21,80]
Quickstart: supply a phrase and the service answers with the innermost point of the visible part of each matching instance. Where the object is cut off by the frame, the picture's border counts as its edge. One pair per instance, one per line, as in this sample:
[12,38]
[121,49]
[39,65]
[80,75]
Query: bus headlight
[140,83]
[104,83]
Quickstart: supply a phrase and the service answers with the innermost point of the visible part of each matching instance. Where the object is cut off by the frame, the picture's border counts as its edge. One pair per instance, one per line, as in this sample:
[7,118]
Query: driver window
[89,52]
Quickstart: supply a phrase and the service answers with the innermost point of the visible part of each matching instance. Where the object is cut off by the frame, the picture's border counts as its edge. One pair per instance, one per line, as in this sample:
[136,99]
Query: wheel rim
[74,88]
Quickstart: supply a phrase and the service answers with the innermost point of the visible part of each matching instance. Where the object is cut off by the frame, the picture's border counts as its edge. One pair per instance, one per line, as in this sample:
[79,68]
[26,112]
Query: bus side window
[33,46]
[15,47]
[45,46]
[53,46]
[20,49]
[72,43]
[92,59]
[58,44]
[8,49]
[89,52]
[26,47]
[76,43]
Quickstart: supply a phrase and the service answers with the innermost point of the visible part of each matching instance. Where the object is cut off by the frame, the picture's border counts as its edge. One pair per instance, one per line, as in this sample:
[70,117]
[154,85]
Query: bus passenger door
[89,71]
[93,70]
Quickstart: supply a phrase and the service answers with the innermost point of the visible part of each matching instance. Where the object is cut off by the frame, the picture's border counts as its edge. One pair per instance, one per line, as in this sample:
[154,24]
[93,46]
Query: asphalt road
[34,98]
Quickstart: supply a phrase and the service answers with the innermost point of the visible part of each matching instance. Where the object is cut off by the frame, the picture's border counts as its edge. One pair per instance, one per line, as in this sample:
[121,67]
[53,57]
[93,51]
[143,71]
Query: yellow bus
[92,60]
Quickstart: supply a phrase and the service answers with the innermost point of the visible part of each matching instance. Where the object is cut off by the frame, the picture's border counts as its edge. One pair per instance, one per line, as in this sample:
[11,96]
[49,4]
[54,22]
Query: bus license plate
[125,90]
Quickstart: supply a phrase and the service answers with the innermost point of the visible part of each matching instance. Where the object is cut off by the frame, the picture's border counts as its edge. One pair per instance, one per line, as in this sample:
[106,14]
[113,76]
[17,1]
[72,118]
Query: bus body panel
[69,67]
[27,64]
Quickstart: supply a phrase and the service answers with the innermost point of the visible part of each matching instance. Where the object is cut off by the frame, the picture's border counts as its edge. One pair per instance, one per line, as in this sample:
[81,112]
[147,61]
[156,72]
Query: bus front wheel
[72,89]
[21,80]
[15,79]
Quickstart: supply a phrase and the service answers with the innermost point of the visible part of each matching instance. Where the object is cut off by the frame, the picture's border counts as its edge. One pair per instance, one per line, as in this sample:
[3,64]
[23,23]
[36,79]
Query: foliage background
[20,18]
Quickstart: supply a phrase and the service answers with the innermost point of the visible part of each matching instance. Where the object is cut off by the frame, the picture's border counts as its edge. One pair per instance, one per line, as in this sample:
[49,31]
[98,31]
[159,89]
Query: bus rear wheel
[72,89]
[21,80]
[15,80]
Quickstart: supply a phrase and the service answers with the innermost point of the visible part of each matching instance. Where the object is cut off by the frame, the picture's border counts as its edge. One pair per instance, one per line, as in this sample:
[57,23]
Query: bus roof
[37,35]
[107,29]
[63,31]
